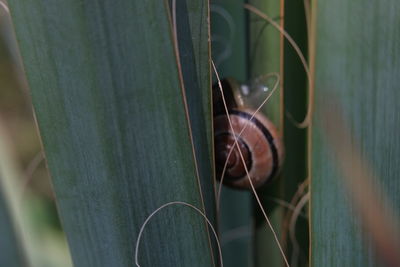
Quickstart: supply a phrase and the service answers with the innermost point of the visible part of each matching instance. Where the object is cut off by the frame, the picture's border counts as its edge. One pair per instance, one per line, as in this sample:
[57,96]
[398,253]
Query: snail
[260,142]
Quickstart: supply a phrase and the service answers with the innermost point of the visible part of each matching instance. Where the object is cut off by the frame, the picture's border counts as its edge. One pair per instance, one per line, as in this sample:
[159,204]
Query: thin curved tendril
[286,205]
[244,128]
[170,204]
[5,7]
[299,192]
[294,202]
[247,172]
[303,201]
[307,118]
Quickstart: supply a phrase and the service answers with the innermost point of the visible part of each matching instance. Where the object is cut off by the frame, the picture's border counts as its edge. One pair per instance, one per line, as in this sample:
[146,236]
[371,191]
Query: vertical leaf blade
[110,110]
[357,65]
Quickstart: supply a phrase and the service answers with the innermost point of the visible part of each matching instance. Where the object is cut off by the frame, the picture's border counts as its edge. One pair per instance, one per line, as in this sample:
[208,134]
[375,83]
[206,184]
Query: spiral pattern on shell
[260,143]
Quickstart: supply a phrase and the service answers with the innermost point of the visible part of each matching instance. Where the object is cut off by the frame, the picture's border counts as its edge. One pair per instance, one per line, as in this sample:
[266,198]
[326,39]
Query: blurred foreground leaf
[357,67]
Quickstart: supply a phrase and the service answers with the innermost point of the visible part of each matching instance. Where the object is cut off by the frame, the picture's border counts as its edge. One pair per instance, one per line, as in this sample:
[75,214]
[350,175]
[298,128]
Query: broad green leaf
[110,109]
[357,68]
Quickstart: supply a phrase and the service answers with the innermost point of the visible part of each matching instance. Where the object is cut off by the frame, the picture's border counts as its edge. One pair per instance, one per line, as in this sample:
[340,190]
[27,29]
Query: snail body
[259,142]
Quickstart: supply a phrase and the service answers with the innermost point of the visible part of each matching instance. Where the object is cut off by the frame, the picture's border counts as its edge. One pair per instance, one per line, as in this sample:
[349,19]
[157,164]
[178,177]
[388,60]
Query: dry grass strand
[244,128]
[171,204]
[247,171]
[306,122]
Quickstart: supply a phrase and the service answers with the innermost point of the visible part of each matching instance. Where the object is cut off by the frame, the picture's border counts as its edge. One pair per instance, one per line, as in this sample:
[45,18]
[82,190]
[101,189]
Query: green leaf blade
[357,66]
[108,101]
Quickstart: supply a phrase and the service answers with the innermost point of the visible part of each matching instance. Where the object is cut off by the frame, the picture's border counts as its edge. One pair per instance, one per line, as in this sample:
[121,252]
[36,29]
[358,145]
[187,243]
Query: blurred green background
[44,240]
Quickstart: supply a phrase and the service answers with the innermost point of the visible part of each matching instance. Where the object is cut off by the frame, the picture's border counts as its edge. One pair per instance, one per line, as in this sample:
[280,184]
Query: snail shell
[260,143]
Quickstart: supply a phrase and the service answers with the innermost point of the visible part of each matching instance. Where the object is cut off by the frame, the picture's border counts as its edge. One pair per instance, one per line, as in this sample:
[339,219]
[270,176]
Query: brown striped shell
[260,143]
